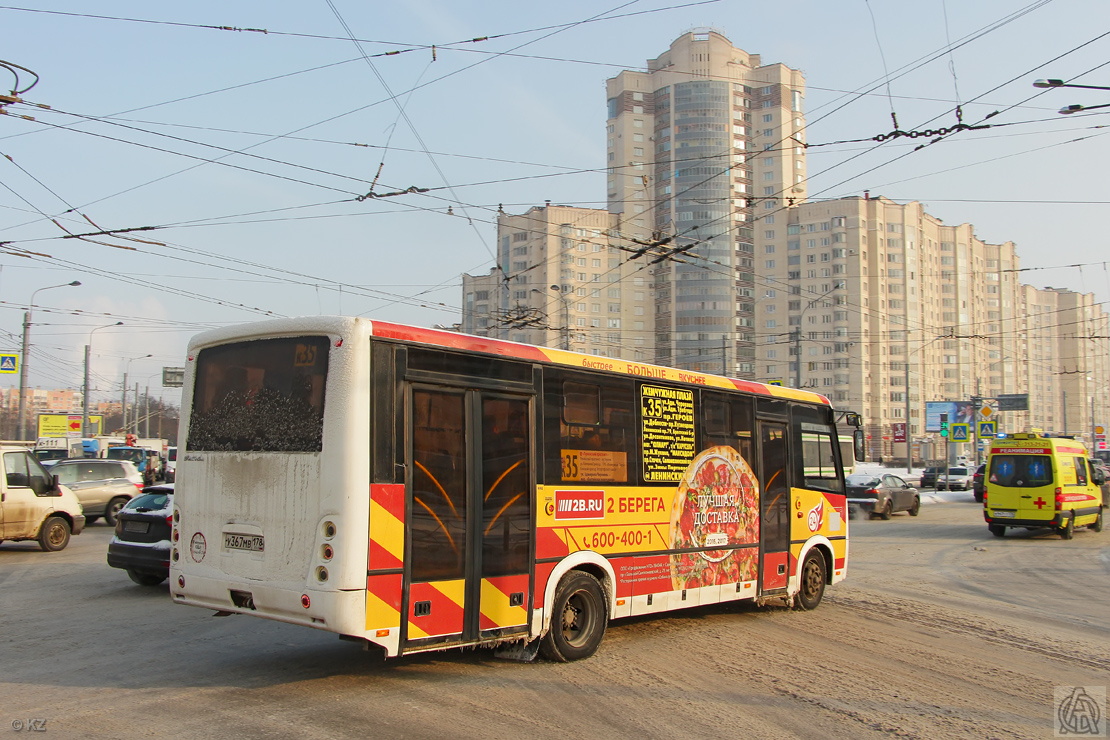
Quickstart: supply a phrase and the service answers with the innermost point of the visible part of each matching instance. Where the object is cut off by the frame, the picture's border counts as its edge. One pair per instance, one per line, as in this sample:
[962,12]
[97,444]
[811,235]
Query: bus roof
[504,348]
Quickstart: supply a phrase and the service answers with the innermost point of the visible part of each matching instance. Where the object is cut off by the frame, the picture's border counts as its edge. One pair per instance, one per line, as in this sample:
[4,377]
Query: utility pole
[798,355]
[909,436]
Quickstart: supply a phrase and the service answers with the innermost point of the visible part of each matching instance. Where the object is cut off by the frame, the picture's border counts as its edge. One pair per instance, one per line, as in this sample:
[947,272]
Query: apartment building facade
[564,280]
[697,145]
[883,307]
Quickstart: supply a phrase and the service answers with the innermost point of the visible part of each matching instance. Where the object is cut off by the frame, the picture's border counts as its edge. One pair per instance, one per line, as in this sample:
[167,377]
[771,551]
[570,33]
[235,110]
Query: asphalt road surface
[940,631]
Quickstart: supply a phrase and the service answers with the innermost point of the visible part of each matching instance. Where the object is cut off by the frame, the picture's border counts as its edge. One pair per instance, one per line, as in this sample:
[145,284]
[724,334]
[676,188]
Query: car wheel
[54,534]
[112,510]
[888,510]
[145,579]
[1097,524]
[1068,529]
[997,530]
[579,617]
[916,508]
[812,587]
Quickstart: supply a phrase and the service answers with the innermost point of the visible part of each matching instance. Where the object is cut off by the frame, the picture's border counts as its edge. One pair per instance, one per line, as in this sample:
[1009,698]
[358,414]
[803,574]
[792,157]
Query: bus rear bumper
[332,611]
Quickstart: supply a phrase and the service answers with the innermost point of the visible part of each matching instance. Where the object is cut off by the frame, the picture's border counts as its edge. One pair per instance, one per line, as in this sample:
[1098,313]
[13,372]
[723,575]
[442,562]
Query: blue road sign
[9,363]
[959,432]
[987,429]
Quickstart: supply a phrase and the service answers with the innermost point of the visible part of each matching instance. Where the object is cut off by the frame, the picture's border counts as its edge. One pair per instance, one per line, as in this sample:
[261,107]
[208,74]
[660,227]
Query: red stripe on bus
[390,496]
[549,544]
[445,616]
[379,558]
[543,572]
[386,587]
[456,341]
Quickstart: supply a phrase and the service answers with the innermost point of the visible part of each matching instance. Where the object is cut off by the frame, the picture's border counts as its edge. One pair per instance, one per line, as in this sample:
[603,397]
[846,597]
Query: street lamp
[1068,109]
[23,357]
[798,334]
[85,390]
[123,404]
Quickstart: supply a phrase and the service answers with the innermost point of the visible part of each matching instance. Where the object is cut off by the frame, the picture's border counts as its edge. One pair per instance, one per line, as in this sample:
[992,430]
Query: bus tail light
[305,601]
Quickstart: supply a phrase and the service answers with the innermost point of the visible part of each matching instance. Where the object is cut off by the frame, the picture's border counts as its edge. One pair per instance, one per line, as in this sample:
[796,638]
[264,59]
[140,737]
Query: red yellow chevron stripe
[387,527]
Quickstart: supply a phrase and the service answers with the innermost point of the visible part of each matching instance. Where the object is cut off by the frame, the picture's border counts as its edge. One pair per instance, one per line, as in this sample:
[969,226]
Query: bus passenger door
[775,507]
[469,531]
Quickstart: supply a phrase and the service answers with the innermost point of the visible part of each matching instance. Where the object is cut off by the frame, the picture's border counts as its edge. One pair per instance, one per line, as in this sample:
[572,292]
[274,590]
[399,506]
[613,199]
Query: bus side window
[815,436]
[595,417]
[727,421]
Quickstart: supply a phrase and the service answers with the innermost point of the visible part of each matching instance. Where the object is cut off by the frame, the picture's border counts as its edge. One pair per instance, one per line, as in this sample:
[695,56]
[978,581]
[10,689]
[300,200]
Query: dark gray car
[880,495]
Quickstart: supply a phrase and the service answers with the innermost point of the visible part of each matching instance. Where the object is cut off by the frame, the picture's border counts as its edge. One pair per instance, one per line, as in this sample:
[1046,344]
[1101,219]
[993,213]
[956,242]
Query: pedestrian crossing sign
[9,363]
[987,429]
[959,432]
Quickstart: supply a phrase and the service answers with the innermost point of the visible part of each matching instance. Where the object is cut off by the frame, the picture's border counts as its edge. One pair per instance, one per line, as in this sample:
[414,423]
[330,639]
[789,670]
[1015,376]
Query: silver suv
[102,486]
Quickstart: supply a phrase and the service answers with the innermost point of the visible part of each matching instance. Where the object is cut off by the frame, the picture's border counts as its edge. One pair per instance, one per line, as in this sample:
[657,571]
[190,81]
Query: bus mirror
[853,419]
[857,445]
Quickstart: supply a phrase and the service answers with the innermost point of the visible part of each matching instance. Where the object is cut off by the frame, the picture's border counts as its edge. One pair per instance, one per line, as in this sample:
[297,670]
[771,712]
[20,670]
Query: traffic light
[944,425]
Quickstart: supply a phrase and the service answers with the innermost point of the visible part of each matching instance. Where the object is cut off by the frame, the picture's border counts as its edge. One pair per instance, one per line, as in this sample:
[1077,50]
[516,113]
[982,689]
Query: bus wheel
[578,621]
[997,530]
[1068,529]
[1097,524]
[813,582]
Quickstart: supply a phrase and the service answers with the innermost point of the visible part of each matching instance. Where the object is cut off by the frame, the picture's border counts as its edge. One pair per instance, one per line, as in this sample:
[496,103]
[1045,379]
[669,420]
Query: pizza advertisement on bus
[716,505]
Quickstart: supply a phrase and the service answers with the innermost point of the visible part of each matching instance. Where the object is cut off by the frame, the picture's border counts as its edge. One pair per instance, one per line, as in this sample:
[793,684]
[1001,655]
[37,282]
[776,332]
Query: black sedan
[141,544]
[880,495]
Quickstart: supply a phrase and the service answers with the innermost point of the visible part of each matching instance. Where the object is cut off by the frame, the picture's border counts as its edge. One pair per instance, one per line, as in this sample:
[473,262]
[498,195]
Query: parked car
[955,479]
[141,544]
[880,495]
[929,477]
[977,485]
[32,505]
[102,486]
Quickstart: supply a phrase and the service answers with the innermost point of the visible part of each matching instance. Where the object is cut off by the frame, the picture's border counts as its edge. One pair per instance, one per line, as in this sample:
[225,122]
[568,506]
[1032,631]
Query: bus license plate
[1001,514]
[248,542]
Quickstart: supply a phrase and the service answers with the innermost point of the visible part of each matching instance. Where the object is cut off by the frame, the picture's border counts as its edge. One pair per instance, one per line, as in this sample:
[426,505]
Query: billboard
[959,412]
[66,425]
[1013,401]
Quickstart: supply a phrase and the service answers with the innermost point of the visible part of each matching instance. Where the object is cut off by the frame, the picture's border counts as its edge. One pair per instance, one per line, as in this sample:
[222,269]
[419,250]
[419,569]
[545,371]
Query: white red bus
[420,489]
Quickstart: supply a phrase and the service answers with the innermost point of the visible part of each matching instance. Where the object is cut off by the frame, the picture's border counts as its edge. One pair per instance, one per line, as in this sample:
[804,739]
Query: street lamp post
[22,431]
[123,404]
[85,389]
[1068,109]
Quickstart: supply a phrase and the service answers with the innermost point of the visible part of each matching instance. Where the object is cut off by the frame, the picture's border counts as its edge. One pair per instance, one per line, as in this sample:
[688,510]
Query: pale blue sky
[514,120]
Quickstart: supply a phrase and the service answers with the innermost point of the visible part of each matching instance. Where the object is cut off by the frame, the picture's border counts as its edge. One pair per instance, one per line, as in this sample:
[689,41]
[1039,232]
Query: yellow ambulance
[1034,482]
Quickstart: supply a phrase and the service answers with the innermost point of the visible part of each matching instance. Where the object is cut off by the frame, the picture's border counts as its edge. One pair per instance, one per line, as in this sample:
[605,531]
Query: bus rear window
[265,395]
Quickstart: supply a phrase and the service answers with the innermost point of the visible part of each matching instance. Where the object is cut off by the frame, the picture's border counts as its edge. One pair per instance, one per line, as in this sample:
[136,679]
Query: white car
[956,479]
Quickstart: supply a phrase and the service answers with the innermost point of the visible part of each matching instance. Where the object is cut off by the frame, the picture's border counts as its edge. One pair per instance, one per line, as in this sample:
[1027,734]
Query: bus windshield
[263,395]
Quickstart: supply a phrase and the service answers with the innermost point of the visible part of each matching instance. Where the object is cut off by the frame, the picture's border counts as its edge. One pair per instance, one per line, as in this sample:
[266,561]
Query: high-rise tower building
[703,149]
